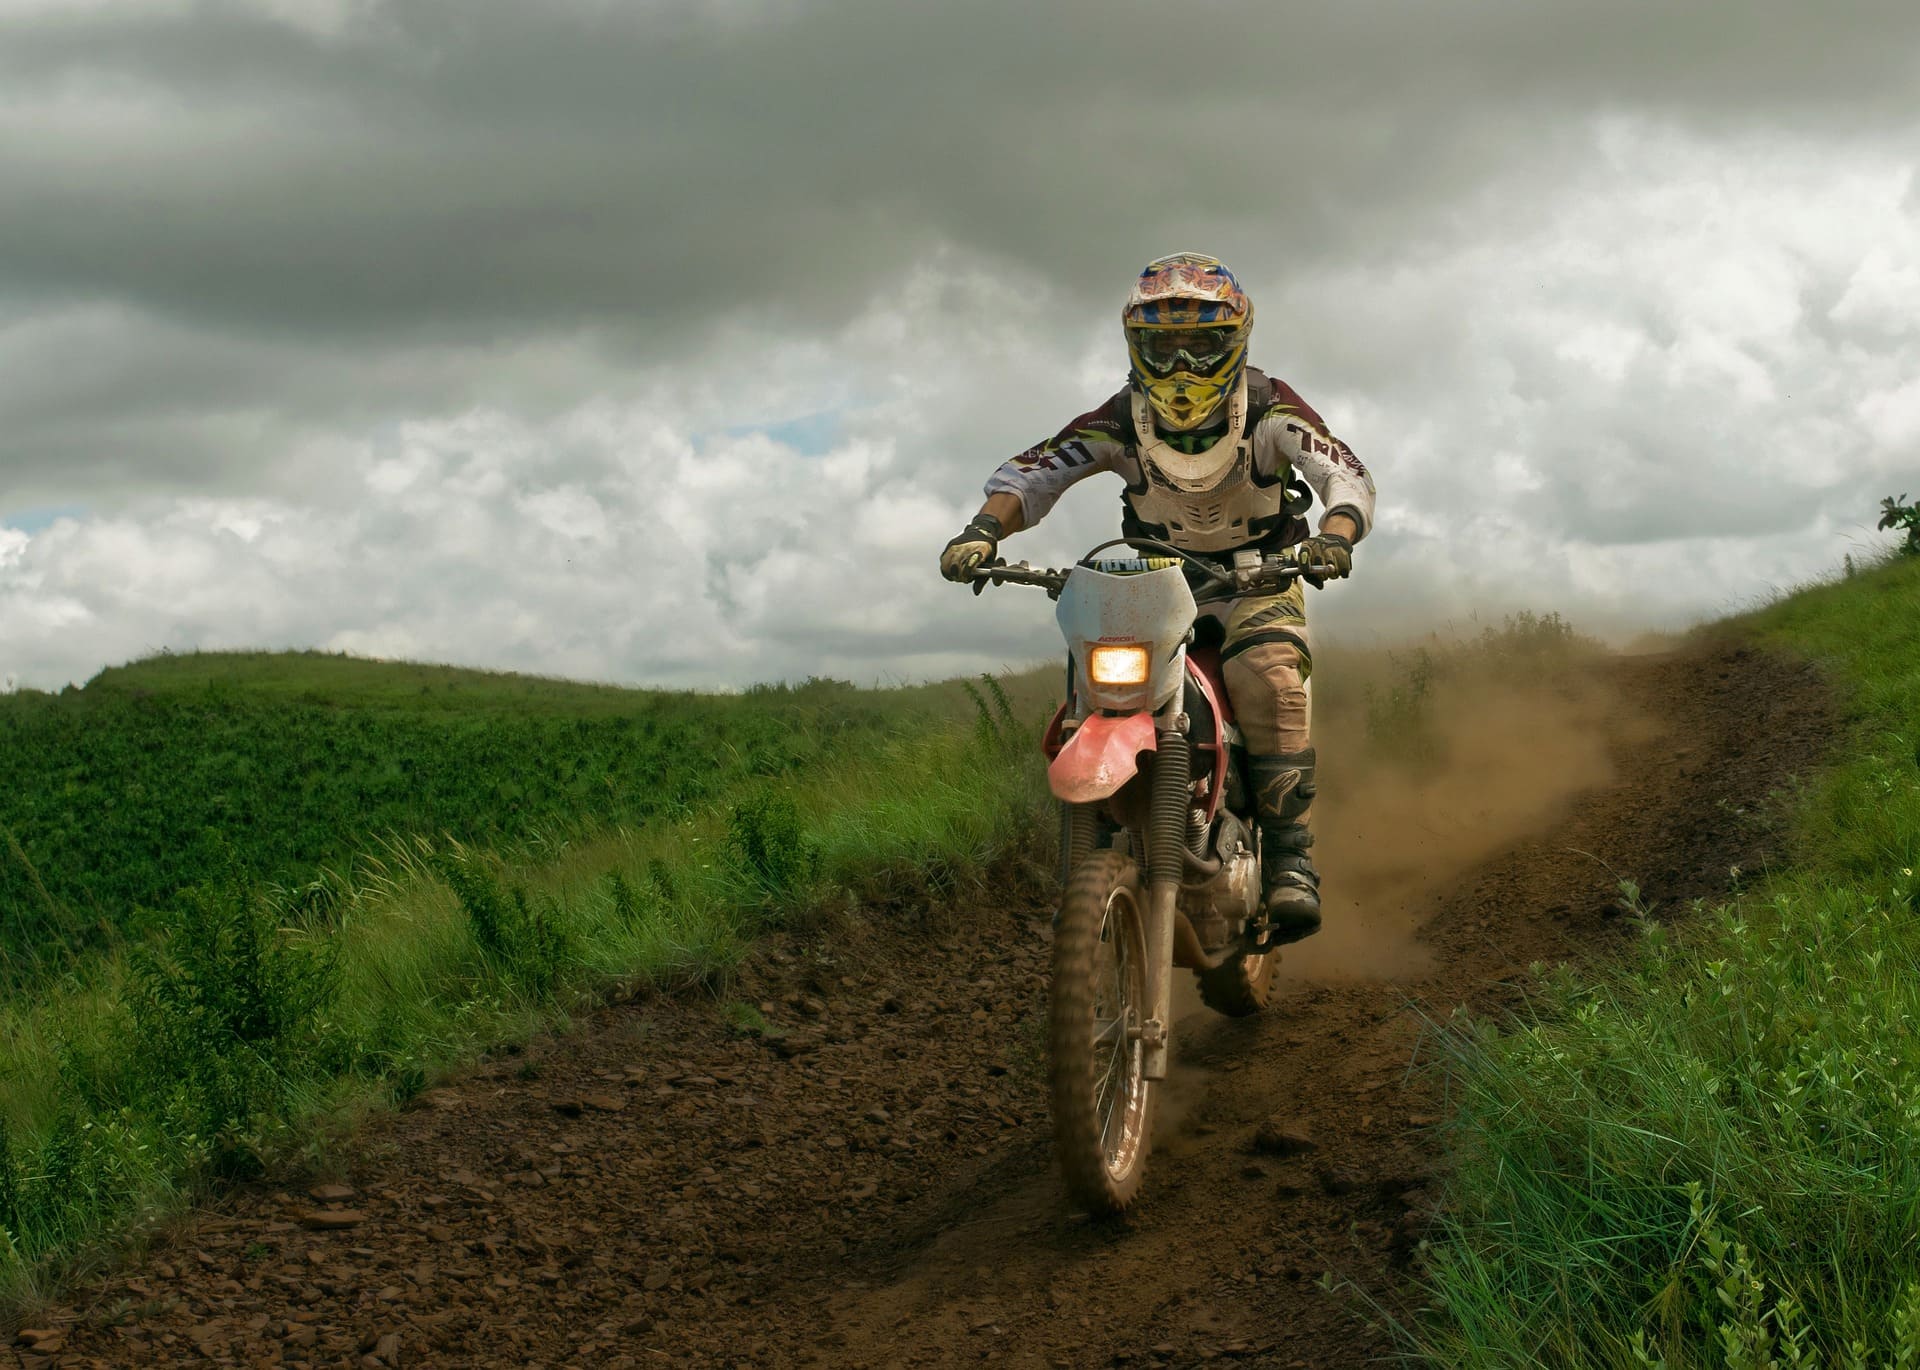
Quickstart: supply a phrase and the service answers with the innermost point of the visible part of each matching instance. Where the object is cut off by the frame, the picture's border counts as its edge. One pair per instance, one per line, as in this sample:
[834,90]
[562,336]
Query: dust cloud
[1499,761]
[1405,814]
[1503,762]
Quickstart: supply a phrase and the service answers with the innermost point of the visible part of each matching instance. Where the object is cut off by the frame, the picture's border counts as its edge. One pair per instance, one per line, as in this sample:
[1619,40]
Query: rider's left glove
[1329,550]
[975,546]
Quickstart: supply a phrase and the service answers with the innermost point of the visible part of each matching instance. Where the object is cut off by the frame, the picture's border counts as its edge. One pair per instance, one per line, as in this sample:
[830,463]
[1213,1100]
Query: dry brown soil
[870,1184]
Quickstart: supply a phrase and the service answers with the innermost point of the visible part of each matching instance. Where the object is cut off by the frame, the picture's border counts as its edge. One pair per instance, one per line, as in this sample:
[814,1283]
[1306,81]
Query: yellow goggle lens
[1118,665]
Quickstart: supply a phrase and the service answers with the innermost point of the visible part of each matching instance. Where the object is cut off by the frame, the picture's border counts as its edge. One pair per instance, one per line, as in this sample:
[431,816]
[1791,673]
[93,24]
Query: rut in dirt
[871,1183]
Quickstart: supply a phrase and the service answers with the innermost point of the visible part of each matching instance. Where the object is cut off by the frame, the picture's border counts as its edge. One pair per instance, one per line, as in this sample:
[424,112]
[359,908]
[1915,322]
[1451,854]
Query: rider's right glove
[973,548]
[1329,550]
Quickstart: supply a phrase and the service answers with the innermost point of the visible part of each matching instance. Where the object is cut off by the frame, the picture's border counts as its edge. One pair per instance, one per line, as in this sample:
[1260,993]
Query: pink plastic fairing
[1102,755]
[1204,663]
[1210,743]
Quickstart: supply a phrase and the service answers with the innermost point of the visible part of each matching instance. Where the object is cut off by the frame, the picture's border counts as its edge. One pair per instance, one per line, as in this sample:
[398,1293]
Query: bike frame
[1123,748]
[1123,729]
[1127,744]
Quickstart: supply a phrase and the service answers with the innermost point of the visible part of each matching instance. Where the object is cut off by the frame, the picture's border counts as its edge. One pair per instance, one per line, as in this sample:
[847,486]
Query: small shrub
[1901,516]
[1400,717]
[766,836]
[626,901]
[660,874]
[226,1015]
[1527,639]
[746,1019]
[520,940]
[313,903]
[43,936]
[1526,649]
[9,1187]
[995,723]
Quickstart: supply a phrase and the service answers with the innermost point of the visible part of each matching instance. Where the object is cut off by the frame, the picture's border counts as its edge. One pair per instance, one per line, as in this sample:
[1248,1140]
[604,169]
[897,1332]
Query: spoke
[1114,1013]
[1101,1086]
[1115,1108]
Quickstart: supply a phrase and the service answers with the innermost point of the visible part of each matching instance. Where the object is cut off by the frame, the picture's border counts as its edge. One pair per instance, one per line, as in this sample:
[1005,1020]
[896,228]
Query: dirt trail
[872,1186]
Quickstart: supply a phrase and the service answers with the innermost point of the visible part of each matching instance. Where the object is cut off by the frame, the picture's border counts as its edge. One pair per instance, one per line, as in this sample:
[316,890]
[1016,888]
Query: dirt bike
[1160,850]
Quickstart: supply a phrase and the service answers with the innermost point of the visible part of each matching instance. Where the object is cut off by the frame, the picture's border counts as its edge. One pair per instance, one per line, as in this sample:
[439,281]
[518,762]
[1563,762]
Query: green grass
[1710,1154]
[115,797]
[268,993]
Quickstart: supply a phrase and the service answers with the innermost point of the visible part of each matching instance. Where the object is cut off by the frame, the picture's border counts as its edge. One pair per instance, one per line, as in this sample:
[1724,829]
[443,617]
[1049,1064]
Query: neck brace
[1200,471]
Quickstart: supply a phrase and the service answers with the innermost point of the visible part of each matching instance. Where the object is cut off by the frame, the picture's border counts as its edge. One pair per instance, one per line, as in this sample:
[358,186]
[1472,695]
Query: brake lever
[1278,575]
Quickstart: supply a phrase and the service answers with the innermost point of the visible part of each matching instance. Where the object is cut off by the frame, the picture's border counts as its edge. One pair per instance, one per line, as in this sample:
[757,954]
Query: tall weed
[995,722]
[520,939]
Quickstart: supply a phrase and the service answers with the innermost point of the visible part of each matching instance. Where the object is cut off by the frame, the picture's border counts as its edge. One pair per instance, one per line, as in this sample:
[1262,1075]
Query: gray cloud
[1576,278]
[450,166]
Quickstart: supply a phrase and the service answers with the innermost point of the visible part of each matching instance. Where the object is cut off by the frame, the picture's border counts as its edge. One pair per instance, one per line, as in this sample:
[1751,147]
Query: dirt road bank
[870,1183]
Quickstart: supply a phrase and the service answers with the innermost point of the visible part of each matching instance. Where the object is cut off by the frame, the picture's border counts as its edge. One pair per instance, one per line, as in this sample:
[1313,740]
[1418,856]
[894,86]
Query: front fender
[1102,755]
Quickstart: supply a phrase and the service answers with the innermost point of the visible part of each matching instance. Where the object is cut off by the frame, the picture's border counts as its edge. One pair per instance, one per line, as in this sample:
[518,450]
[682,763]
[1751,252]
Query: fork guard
[1102,755]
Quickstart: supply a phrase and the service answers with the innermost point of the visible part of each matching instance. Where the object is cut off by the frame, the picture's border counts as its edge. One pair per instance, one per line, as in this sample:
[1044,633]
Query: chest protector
[1211,501]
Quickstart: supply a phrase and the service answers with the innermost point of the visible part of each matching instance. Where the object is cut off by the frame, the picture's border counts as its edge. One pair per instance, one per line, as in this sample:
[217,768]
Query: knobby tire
[1102,1101]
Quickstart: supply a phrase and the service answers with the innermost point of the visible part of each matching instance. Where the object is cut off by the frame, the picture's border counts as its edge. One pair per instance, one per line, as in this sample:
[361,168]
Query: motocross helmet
[1187,321]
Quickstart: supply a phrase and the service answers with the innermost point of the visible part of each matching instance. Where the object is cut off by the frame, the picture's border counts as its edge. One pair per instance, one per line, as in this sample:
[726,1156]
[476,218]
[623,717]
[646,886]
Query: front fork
[1166,868]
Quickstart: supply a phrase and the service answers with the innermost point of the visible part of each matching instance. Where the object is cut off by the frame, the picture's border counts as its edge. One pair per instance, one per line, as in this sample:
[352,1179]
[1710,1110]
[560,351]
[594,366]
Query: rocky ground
[847,1164]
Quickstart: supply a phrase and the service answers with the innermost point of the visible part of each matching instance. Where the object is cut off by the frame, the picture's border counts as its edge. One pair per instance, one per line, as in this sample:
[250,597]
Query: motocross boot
[1283,791]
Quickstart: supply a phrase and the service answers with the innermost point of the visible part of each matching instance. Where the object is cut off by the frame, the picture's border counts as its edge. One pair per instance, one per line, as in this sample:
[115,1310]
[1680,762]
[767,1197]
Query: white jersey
[1247,499]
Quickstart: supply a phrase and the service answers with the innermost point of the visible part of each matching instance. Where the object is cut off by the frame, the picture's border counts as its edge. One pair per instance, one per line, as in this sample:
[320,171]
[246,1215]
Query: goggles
[1199,351]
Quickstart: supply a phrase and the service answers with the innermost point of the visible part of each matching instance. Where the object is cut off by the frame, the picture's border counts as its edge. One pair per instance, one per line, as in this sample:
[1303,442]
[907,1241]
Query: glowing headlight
[1118,665]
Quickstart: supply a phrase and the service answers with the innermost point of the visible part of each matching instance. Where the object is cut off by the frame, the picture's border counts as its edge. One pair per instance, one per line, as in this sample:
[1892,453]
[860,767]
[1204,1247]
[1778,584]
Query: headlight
[1118,665]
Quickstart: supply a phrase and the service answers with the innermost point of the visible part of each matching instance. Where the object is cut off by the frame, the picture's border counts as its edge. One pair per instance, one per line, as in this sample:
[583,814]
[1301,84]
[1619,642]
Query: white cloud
[1892,416]
[1883,294]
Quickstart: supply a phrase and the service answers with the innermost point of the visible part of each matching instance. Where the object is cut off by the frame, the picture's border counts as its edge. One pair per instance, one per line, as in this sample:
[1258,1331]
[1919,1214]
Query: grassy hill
[159,774]
[1709,1155]
[239,892]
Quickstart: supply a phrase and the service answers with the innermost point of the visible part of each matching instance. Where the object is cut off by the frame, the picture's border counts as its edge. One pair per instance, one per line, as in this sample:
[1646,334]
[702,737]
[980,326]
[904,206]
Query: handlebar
[1274,573]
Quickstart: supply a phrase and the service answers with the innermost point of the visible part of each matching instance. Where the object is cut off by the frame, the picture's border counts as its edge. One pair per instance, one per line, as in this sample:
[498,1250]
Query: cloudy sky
[667,340]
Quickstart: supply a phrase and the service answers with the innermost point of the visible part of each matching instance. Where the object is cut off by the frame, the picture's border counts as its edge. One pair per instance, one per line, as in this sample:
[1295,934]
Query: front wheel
[1102,1100]
[1241,985]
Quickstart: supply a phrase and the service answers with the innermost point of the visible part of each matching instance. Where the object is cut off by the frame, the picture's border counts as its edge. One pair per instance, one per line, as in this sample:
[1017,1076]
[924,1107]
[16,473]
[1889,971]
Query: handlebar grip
[1000,573]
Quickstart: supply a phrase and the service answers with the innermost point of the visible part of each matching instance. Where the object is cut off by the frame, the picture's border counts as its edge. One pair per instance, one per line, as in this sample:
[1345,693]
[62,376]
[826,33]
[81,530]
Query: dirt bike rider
[1208,448]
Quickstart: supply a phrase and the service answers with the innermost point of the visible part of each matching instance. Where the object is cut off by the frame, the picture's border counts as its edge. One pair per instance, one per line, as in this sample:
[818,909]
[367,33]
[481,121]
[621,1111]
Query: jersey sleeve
[1096,441]
[1293,434]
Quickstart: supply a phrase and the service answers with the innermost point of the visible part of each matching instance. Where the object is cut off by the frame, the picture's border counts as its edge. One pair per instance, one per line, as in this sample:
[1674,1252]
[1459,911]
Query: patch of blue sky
[31,521]
[811,435]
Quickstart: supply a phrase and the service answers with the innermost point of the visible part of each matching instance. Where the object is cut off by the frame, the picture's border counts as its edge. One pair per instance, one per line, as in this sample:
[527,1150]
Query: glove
[977,544]
[1326,549]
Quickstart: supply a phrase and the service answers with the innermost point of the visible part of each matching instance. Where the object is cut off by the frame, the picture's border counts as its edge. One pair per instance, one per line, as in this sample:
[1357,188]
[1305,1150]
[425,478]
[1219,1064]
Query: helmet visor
[1199,351]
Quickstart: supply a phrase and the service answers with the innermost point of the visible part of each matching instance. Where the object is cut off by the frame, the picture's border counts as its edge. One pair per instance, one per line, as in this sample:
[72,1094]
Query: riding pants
[1267,657]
